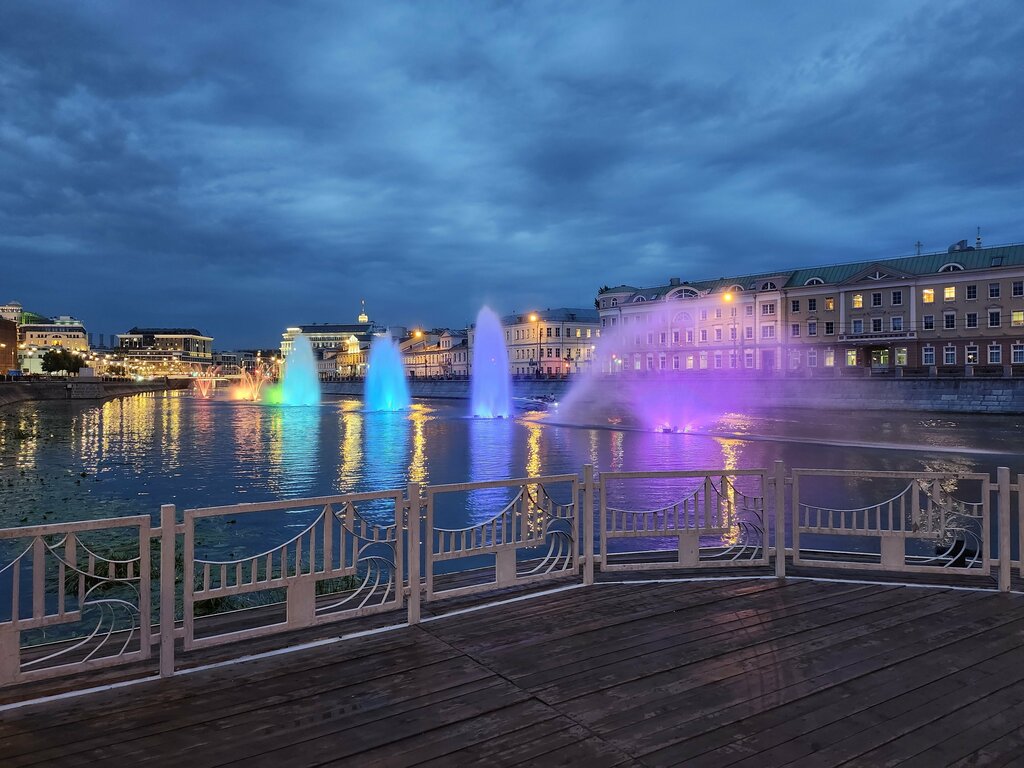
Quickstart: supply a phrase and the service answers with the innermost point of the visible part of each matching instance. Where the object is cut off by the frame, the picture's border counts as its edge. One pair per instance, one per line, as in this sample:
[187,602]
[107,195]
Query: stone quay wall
[79,389]
[938,395]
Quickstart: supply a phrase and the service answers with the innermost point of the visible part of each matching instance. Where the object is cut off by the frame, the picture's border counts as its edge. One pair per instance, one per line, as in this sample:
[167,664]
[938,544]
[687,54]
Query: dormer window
[877,275]
[639,299]
[951,267]
[769,286]
[815,281]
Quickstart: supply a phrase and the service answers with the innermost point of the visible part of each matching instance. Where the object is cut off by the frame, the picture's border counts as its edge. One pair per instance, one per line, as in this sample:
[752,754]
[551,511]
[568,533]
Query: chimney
[673,281]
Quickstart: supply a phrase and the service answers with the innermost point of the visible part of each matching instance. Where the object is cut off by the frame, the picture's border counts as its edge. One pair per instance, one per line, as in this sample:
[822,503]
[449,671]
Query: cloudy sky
[245,166]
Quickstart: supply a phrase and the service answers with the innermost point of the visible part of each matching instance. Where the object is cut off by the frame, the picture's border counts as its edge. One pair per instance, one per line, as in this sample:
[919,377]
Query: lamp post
[418,334]
[727,298]
[535,319]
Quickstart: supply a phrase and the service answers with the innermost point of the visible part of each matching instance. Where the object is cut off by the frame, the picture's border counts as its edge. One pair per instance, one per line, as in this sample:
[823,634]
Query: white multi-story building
[441,353]
[551,342]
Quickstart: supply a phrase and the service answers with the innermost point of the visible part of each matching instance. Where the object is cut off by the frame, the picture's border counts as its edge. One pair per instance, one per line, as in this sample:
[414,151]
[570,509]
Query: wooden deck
[716,673]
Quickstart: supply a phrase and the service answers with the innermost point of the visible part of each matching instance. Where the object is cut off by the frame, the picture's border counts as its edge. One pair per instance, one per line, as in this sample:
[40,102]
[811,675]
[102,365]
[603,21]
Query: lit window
[830,358]
[830,304]
[858,300]
[851,357]
[1017,317]
[928,295]
[949,293]
[901,355]
[971,355]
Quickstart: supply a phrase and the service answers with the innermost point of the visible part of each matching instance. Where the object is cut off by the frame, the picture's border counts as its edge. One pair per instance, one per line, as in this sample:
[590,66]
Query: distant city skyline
[242,170]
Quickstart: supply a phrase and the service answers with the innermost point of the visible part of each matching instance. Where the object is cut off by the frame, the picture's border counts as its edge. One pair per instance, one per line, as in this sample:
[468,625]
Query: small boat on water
[534,403]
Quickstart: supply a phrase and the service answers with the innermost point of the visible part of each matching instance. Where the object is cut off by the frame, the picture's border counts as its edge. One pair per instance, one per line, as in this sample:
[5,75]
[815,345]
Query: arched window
[815,281]
[769,286]
[951,267]
[639,299]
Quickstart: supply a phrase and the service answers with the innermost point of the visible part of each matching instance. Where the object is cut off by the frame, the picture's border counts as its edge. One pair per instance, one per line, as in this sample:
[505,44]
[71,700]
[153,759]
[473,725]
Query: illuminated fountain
[204,380]
[386,388]
[300,384]
[491,384]
[250,386]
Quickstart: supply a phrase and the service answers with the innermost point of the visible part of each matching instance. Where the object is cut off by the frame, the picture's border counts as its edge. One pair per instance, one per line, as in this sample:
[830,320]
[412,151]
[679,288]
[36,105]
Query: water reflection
[490,458]
[386,448]
[294,436]
[419,415]
[350,417]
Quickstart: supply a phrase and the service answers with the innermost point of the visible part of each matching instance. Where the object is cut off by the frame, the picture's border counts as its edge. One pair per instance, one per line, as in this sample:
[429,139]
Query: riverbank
[925,395]
[12,392]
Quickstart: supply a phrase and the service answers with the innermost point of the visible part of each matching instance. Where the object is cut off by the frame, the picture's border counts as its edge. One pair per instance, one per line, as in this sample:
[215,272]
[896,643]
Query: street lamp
[535,319]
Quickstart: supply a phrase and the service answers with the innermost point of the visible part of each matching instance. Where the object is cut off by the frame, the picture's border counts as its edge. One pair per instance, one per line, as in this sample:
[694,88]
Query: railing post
[412,539]
[1003,534]
[587,524]
[168,521]
[780,520]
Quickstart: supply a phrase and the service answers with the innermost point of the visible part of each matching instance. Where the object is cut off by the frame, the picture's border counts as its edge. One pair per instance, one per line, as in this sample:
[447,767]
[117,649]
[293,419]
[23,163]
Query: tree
[60,359]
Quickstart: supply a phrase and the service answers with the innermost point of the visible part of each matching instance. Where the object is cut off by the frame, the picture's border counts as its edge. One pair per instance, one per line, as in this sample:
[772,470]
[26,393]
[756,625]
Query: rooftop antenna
[977,240]
[918,245]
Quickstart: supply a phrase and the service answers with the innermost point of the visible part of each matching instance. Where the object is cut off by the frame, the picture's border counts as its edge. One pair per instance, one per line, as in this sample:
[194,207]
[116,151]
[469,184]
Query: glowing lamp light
[728,296]
[533,317]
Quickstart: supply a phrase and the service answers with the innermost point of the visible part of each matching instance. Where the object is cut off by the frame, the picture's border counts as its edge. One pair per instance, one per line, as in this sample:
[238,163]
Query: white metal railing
[86,610]
[711,524]
[69,602]
[531,523]
[340,565]
[958,531]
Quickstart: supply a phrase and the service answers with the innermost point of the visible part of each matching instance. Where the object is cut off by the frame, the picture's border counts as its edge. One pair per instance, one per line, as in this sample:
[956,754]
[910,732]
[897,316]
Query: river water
[75,460]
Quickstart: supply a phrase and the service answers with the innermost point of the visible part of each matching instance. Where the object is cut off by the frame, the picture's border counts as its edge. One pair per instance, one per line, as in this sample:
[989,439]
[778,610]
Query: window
[718,312]
[876,299]
[703,314]
[897,298]
[830,358]
[689,337]
[876,325]
[650,338]
[949,293]
[732,333]
[949,321]
[675,337]
[675,362]
[549,333]
[830,328]
[971,355]
[858,326]
[768,309]
[851,357]
[812,305]
[703,360]
[995,354]
[661,362]
[1018,288]
[972,320]
[830,304]
[812,329]
[661,338]
[748,332]
[718,334]
[993,290]
[794,330]
[928,295]
[897,324]
[1017,317]
[769,286]
[972,291]
[901,355]
[928,356]
[949,355]
[993,318]
[795,304]
[1017,354]
[794,359]
[858,300]
[812,358]
[704,334]
[928,323]
[750,310]
[748,359]
[767,331]
[718,359]
[689,362]
[558,332]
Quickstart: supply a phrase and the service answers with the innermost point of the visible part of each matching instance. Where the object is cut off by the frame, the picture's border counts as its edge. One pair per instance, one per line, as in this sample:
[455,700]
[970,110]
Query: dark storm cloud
[245,167]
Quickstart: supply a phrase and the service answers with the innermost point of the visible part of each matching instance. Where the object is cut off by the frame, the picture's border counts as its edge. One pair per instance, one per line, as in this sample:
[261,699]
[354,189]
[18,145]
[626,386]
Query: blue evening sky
[243,166]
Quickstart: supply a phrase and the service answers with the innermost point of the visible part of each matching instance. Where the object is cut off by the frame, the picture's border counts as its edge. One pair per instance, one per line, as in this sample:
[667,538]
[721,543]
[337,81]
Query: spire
[362,314]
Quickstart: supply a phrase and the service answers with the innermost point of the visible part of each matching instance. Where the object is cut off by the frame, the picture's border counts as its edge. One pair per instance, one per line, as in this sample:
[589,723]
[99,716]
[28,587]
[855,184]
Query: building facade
[8,346]
[165,351]
[962,308]
[437,354]
[551,342]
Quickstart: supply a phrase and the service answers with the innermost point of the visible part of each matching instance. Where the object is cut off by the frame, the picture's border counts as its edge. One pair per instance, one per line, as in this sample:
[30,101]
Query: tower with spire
[363,317]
